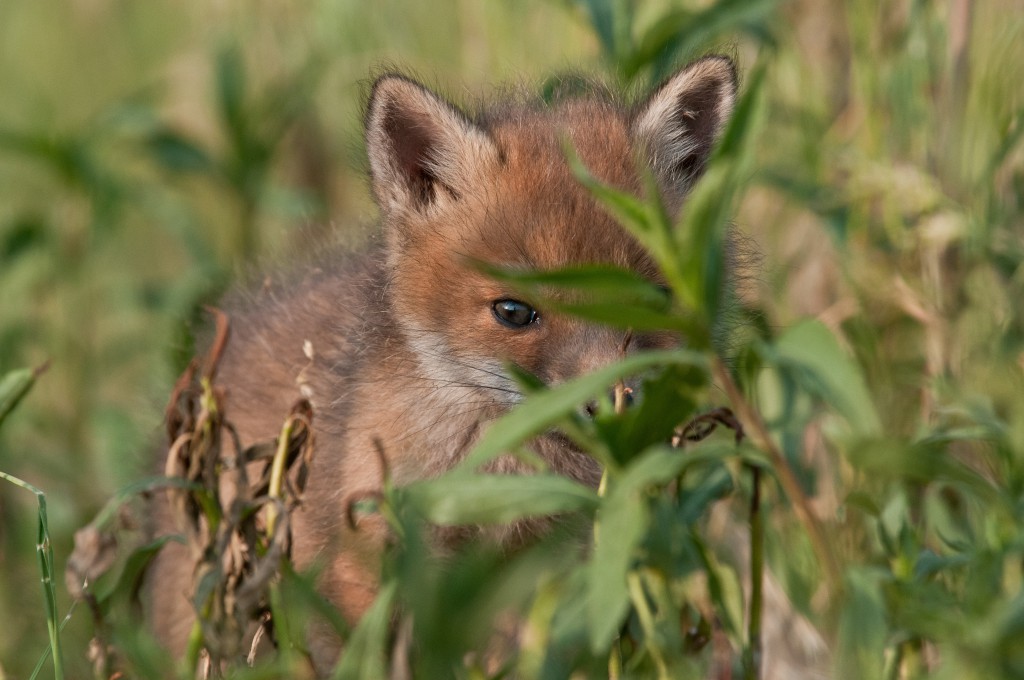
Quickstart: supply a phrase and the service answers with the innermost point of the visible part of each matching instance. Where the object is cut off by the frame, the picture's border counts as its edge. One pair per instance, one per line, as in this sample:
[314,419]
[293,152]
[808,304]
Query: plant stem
[754,424]
[277,475]
[646,616]
[752,663]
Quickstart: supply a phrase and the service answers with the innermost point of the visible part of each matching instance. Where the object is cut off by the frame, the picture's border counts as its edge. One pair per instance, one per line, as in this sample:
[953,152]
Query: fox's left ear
[679,122]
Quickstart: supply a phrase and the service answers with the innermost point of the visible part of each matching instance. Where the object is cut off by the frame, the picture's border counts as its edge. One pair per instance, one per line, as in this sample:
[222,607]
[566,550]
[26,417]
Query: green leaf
[821,366]
[726,593]
[715,482]
[230,84]
[656,466]
[618,315]
[125,583]
[612,21]
[701,235]
[683,32]
[863,629]
[604,294]
[630,211]
[21,235]
[604,281]
[543,410]
[925,462]
[44,558]
[666,401]
[177,153]
[460,498]
[366,652]
[13,388]
[622,522]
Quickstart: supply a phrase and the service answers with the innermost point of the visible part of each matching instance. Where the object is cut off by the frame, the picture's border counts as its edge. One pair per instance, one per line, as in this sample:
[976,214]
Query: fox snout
[619,397]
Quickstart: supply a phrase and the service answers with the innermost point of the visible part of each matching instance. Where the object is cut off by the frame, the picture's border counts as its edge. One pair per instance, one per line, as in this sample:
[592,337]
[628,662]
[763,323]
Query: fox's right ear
[423,151]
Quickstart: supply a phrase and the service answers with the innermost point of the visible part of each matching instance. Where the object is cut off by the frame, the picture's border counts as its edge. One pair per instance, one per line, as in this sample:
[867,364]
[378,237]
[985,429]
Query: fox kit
[404,346]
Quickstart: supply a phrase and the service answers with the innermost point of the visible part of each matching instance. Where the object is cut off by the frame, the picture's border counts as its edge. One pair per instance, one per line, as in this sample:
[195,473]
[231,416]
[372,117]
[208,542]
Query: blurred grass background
[150,151]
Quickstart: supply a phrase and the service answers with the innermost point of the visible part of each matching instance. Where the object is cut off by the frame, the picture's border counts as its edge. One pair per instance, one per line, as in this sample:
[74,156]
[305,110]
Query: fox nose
[591,407]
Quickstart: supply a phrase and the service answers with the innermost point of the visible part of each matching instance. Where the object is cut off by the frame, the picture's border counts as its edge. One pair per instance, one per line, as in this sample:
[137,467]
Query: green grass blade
[13,388]
[44,553]
[365,655]
[456,499]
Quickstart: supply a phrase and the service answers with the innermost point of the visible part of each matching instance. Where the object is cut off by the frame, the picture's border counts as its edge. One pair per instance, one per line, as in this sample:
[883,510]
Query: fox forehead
[533,139]
[528,209]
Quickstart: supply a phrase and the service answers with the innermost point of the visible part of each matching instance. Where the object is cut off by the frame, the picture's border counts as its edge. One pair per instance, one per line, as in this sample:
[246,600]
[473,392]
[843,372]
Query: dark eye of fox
[514,314]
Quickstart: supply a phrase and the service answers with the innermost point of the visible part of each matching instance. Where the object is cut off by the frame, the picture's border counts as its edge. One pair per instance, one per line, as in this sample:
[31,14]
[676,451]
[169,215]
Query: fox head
[457,189]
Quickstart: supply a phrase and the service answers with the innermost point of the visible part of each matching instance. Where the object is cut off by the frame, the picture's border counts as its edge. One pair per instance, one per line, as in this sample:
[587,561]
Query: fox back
[404,347]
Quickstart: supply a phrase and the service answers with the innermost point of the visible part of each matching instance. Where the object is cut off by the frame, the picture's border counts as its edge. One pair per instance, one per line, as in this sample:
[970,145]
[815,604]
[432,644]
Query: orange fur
[406,346]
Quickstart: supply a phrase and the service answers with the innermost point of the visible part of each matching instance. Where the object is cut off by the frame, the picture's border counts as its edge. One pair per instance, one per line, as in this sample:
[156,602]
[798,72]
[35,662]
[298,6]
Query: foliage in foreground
[885,185]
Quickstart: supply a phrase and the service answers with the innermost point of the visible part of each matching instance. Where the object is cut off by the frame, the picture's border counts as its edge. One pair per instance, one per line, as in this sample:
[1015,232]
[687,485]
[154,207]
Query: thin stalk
[194,647]
[44,553]
[896,663]
[752,662]
[646,616]
[277,475]
[754,424]
[615,662]
[602,491]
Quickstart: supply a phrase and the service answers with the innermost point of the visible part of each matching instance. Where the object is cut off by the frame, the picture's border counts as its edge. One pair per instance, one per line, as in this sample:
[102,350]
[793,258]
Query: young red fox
[409,340]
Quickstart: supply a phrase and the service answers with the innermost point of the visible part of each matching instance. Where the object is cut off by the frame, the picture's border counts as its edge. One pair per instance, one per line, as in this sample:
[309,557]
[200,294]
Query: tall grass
[875,361]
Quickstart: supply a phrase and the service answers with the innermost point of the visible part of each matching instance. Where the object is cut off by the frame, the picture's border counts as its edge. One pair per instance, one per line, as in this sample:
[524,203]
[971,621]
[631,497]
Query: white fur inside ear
[422,150]
[678,124]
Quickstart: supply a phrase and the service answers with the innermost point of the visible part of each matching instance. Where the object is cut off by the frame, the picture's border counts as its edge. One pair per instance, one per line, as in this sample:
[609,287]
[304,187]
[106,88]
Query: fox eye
[514,313]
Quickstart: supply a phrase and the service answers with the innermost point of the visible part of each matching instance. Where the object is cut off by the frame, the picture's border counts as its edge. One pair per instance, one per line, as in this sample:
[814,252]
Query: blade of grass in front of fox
[44,553]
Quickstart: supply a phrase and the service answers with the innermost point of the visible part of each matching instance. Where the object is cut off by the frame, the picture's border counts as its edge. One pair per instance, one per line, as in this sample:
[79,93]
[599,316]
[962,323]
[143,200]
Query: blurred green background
[152,151]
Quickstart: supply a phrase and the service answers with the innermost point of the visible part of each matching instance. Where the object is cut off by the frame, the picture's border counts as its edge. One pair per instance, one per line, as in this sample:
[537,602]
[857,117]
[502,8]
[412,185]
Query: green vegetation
[874,357]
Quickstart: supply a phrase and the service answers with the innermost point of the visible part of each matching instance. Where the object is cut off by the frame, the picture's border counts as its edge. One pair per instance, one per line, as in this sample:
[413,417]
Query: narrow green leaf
[701,236]
[603,294]
[656,466]
[617,315]
[863,628]
[821,366]
[599,279]
[177,153]
[726,593]
[366,652]
[13,388]
[44,558]
[715,483]
[460,498]
[230,83]
[21,235]
[602,18]
[683,32]
[623,519]
[613,22]
[630,211]
[543,410]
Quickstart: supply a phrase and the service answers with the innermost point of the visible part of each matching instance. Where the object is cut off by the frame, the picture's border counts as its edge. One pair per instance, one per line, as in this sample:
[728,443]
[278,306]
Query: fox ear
[679,122]
[422,150]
